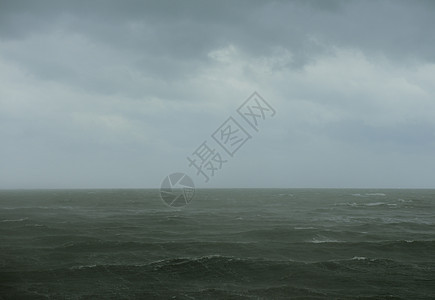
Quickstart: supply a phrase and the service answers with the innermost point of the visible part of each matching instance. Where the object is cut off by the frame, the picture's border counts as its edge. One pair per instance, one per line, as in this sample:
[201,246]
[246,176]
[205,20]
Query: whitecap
[34,225]
[17,220]
[302,228]
[345,204]
[403,200]
[83,267]
[374,204]
[324,240]
[359,258]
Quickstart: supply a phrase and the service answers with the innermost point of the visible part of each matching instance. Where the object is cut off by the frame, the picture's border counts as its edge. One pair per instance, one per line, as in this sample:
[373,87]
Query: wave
[40,207]
[405,201]
[15,220]
[221,260]
[369,204]
[303,228]
[370,195]
[219,266]
[332,246]
[374,204]
[323,239]
[231,277]
[359,258]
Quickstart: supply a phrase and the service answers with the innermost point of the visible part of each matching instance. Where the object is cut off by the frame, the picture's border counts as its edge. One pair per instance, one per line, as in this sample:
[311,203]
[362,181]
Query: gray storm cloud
[117,94]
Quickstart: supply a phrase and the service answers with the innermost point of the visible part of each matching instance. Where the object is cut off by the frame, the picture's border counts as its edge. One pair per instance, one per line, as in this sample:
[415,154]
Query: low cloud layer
[118,94]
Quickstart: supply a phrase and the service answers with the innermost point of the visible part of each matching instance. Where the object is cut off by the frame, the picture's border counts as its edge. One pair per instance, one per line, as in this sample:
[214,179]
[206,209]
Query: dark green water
[227,244]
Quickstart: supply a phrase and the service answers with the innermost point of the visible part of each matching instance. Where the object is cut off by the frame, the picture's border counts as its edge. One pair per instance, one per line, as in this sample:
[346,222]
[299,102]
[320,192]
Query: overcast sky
[117,94]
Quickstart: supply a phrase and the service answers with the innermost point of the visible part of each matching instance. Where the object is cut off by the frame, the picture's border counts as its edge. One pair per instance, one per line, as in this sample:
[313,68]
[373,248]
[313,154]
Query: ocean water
[227,244]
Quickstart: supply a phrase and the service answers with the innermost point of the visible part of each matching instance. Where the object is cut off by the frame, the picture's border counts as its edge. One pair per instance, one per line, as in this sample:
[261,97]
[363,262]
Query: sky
[118,94]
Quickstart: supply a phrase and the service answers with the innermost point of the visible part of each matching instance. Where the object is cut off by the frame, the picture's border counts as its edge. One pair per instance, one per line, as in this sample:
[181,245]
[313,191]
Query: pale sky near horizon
[117,94]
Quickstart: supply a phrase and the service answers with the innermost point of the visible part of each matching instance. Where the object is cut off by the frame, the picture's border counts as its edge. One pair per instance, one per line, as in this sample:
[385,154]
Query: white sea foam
[323,239]
[374,204]
[359,258]
[283,195]
[38,207]
[370,195]
[358,195]
[83,267]
[16,220]
[346,204]
[317,241]
[403,200]
[302,228]
[353,204]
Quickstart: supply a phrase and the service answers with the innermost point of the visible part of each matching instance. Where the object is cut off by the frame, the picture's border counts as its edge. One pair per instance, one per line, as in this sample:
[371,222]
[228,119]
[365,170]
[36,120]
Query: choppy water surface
[228,244]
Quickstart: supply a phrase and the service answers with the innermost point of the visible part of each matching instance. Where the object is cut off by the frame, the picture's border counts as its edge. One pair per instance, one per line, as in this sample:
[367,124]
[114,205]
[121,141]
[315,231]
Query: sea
[226,244]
